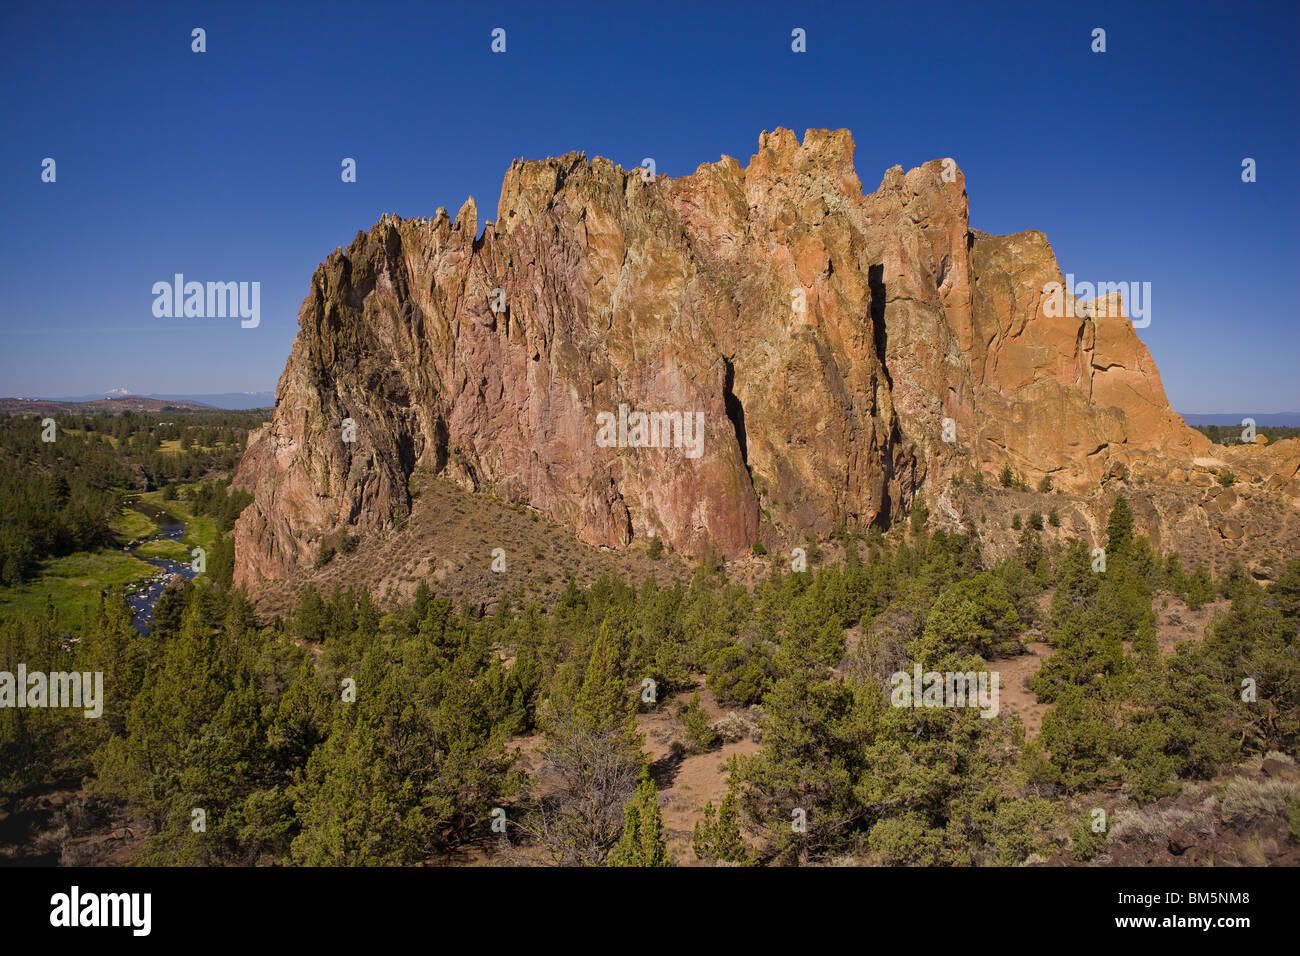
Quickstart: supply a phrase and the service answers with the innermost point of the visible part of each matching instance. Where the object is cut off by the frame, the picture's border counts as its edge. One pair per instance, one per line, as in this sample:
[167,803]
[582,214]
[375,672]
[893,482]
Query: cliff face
[820,337]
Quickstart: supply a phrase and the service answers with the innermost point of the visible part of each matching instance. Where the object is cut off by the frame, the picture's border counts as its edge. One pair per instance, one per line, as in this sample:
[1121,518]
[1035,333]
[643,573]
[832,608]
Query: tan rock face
[821,337]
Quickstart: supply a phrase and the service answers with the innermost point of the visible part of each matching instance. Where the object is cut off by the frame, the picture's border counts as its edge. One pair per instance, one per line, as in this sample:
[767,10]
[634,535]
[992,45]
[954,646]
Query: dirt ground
[686,782]
[63,825]
[1174,622]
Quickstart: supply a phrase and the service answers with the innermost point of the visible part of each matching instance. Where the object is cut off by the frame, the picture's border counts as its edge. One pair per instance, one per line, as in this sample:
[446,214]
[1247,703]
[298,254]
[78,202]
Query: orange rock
[824,335]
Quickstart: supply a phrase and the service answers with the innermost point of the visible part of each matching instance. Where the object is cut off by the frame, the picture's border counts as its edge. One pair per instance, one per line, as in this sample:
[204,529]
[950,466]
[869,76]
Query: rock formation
[823,335]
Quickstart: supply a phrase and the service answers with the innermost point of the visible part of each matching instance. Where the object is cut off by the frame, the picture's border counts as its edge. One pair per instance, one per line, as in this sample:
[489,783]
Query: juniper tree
[594,748]
[699,733]
[642,842]
[1119,527]
[716,836]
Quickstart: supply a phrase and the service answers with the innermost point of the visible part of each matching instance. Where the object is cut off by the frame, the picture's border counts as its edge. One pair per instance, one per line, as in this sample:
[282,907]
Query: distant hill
[1275,419]
[131,403]
[234,401]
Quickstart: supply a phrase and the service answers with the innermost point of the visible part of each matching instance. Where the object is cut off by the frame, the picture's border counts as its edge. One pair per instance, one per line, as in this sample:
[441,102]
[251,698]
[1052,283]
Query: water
[143,600]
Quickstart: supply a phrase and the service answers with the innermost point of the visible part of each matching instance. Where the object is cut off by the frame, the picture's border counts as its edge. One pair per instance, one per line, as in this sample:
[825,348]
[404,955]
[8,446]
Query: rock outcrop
[820,336]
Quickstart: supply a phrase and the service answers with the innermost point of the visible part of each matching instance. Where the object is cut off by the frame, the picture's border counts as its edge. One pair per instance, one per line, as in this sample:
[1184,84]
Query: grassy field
[173,550]
[174,445]
[73,583]
[200,530]
[131,525]
[79,433]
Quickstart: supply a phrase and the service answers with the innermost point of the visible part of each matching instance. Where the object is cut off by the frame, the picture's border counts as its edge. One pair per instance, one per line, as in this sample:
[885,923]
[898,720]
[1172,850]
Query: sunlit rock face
[819,336]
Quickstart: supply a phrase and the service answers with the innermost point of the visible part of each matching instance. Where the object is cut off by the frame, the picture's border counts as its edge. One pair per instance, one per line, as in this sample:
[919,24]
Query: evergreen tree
[974,616]
[594,748]
[696,727]
[602,703]
[716,836]
[1200,588]
[642,842]
[1145,648]
[1119,527]
[1286,592]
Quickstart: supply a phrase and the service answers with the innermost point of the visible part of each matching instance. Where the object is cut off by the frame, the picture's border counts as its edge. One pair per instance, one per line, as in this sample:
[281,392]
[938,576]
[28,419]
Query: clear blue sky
[225,165]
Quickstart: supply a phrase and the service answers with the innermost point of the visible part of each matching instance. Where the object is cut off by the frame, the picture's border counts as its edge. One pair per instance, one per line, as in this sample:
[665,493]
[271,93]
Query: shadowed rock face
[822,335]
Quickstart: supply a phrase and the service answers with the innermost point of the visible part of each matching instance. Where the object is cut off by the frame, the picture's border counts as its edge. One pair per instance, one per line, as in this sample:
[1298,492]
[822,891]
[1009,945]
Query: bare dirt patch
[447,542]
[1175,621]
[1014,694]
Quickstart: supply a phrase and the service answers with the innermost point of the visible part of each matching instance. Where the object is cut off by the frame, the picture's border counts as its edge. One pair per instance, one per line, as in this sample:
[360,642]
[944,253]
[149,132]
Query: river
[143,599]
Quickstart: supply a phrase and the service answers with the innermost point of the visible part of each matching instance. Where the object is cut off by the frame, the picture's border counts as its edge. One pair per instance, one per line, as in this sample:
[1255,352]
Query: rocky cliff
[820,337]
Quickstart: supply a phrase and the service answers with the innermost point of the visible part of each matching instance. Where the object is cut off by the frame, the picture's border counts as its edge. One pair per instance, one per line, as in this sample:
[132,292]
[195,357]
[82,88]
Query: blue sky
[225,165]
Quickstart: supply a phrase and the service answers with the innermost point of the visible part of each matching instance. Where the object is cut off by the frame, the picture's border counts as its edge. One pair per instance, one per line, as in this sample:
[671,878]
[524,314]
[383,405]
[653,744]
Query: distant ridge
[1276,419]
[231,401]
[114,406]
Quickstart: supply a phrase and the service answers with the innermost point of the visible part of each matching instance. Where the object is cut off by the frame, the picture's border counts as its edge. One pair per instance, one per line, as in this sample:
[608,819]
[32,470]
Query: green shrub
[738,675]
[1085,842]
[972,616]
[324,554]
[906,841]
[920,514]
[700,736]
[716,837]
